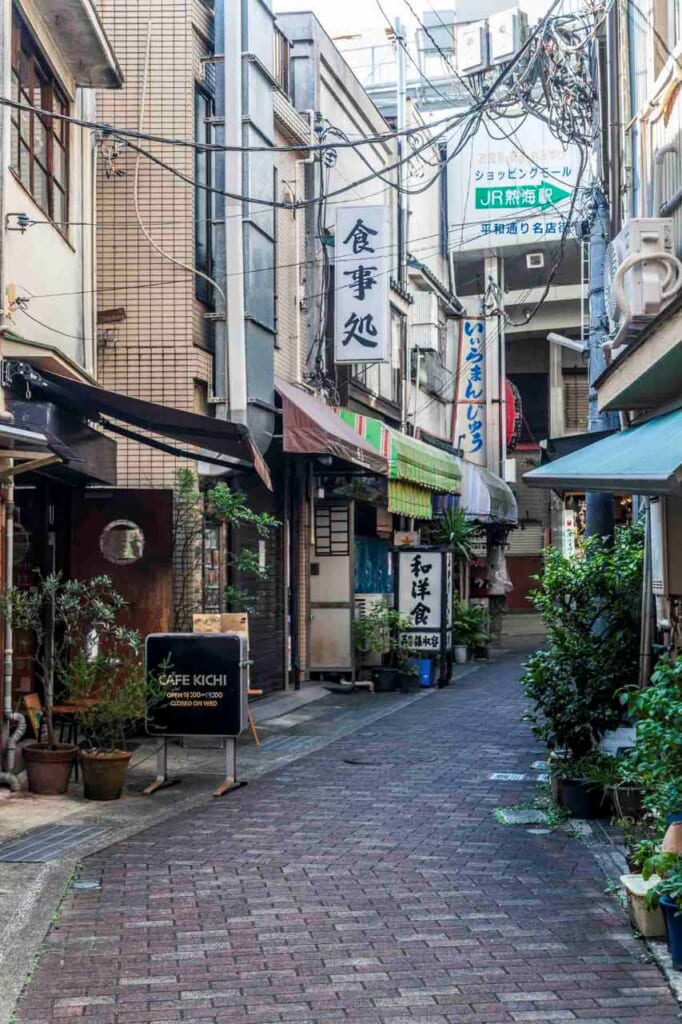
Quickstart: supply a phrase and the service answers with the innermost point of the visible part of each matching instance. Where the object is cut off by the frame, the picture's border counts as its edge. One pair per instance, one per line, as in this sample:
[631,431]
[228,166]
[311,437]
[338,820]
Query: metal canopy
[646,459]
[232,440]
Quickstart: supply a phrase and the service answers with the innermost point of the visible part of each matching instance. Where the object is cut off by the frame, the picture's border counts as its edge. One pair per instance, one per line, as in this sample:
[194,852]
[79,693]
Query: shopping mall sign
[511,185]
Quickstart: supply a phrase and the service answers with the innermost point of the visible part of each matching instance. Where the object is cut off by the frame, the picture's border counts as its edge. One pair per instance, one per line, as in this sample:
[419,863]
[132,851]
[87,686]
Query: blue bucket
[425,669]
[673,927]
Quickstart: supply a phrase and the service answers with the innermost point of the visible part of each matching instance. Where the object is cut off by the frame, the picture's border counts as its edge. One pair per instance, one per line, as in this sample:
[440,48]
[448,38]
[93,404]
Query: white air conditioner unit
[471,47]
[641,275]
[507,33]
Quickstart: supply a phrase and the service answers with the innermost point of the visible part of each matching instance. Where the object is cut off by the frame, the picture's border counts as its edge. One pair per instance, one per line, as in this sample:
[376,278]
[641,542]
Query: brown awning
[312,428]
[232,440]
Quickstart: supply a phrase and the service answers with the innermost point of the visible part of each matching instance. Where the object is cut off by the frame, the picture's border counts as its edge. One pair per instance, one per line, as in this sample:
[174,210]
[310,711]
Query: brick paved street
[368,883]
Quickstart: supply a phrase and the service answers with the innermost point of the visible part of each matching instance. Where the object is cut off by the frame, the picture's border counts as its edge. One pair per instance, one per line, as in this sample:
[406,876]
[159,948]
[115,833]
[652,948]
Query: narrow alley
[369,882]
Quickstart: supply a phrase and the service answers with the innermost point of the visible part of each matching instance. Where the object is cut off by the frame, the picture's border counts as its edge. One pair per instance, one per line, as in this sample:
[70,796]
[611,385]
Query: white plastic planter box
[648,923]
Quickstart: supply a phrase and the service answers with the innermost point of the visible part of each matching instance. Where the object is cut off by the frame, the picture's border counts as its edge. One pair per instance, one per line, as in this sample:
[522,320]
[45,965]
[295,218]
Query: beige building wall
[159,352]
[290,352]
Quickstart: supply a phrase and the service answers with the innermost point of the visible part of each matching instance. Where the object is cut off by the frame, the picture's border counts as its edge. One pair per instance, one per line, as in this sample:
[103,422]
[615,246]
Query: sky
[347,17]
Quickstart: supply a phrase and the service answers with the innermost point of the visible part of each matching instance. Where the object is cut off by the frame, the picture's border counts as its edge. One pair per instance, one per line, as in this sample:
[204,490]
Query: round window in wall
[122,542]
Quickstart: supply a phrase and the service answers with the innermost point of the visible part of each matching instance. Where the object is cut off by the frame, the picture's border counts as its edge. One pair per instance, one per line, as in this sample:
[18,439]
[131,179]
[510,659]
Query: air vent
[535,260]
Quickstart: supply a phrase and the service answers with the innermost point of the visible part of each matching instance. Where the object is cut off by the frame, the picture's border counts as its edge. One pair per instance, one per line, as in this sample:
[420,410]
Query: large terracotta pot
[48,768]
[104,773]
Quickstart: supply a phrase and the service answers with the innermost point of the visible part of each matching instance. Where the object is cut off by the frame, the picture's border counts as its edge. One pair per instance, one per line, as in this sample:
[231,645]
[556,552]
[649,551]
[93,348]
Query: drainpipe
[659,160]
[9,573]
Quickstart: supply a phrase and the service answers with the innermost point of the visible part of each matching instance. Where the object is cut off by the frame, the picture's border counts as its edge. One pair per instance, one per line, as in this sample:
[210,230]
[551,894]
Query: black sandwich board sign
[204,679]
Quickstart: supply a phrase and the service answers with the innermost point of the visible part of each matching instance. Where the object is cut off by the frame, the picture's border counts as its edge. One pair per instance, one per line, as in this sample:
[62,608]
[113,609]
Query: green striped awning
[406,499]
[409,460]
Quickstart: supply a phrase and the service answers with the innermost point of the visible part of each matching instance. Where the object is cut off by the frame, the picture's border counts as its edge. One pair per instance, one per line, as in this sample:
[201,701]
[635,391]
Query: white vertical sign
[470,422]
[568,533]
[362,322]
[420,587]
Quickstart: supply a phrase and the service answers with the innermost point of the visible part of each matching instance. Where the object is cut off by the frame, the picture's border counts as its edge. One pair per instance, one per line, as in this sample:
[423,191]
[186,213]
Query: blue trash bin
[425,669]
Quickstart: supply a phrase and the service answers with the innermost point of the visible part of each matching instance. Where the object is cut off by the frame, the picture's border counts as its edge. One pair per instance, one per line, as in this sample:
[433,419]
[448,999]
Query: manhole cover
[50,842]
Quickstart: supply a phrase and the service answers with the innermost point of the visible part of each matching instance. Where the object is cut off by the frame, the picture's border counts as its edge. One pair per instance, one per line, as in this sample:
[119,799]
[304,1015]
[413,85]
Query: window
[203,204]
[576,400]
[39,145]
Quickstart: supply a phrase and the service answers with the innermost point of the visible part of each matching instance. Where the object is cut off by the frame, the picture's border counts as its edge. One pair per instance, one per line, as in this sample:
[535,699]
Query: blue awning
[646,459]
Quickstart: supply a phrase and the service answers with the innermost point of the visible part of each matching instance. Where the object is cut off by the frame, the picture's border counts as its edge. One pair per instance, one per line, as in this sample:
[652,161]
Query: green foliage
[455,531]
[64,618]
[219,504]
[382,631]
[656,758]
[668,867]
[471,624]
[598,767]
[590,607]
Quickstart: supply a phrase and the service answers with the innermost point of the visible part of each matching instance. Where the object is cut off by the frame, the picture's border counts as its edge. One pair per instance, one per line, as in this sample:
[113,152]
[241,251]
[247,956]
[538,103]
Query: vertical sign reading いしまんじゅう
[362,267]
[470,419]
[422,580]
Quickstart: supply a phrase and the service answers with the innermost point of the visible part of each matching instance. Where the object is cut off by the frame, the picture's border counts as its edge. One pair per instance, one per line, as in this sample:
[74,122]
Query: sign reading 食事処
[470,420]
[362,262]
[197,684]
[511,187]
[423,579]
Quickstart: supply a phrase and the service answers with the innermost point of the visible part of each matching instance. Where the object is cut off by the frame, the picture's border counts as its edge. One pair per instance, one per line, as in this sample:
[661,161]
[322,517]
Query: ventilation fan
[641,275]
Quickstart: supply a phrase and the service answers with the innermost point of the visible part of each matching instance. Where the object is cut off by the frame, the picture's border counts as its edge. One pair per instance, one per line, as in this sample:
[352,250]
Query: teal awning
[646,459]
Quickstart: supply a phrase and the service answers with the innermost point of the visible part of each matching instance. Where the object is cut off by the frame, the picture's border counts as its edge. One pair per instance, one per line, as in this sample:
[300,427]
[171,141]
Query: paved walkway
[369,883]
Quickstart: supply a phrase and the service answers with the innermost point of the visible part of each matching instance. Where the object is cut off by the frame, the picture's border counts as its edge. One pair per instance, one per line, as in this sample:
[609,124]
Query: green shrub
[590,605]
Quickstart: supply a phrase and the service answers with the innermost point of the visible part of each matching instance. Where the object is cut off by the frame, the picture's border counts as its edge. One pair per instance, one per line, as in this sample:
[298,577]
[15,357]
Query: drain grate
[50,842]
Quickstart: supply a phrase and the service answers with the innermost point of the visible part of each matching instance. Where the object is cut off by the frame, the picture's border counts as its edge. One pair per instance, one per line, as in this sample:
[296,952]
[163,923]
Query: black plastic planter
[385,680]
[584,798]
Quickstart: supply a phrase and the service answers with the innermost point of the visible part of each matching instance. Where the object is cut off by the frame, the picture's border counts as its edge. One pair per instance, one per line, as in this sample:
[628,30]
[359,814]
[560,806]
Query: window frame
[204,106]
[27,56]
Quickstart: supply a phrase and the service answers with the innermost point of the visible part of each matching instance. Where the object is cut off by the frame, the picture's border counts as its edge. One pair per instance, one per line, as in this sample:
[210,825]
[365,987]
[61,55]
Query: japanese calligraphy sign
[512,189]
[470,422]
[362,325]
[423,588]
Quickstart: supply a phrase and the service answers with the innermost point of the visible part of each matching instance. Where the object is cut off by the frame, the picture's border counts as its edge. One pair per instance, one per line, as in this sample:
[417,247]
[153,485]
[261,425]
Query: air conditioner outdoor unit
[641,275]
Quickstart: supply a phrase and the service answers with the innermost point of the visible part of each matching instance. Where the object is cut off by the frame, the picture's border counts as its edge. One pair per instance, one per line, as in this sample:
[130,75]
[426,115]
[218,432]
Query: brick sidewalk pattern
[369,883]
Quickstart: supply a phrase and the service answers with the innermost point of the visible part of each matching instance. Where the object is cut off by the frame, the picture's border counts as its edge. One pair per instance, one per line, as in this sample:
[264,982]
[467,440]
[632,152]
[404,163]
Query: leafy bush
[590,605]
[471,624]
[656,759]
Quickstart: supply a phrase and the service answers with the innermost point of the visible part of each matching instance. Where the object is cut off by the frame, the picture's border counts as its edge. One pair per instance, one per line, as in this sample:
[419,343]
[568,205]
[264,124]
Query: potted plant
[584,784]
[667,892]
[470,630]
[404,655]
[589,605]
[372,635]
[47,612]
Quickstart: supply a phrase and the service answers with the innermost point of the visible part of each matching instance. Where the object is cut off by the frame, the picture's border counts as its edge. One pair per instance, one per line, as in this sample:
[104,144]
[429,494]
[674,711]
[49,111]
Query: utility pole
[228,255]
[402,207]
[600,516]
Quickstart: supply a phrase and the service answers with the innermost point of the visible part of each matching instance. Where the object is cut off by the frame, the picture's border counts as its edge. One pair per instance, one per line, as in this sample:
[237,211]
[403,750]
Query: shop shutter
[576,392]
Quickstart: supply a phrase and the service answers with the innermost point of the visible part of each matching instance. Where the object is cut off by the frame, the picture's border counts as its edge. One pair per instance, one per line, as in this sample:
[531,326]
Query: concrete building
[641,387]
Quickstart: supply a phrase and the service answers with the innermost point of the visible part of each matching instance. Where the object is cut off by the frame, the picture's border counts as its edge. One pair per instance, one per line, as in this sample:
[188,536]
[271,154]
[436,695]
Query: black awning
[556,447]
[86,454]
[231,440]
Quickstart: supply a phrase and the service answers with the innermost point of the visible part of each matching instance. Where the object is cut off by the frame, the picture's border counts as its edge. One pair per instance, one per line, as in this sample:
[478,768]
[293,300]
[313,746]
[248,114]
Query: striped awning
[406,499]
[409,460]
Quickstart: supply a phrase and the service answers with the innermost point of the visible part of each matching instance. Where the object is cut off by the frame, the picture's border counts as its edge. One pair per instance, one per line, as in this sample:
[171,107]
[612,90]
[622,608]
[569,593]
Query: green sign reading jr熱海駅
[518,197]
